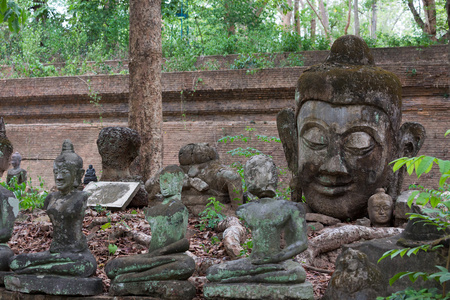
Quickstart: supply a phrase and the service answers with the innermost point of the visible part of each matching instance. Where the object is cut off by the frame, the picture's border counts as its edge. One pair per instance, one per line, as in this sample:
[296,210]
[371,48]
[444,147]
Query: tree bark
[233,236]
[334,238]
[313,23]
[429,7]
[286,18]
[297,16]
[416,15]
[373,25]
[356,16]
[349,17]
[324,16]
[145,101]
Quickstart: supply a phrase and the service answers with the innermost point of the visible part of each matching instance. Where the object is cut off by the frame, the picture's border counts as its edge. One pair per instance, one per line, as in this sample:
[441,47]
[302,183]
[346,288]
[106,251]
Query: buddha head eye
[314,138]
[359,143]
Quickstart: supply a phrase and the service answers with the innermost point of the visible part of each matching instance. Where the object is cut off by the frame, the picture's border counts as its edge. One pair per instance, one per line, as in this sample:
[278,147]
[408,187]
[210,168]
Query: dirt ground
[105,230]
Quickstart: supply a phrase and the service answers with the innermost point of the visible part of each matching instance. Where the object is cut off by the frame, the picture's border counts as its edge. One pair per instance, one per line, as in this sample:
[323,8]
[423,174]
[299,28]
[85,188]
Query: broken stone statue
[164,270]
[206,177]
[6,148]
[380,209]
[66,268]
[119,147]
[269,272]
[346,130]
[9,208]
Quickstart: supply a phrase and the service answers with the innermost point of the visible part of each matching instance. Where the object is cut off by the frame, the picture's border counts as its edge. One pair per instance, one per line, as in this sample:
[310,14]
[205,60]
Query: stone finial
[350,49]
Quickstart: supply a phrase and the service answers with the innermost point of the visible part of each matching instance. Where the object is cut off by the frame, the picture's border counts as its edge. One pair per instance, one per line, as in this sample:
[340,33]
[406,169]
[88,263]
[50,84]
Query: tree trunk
[145,101]
[297,16]
[233,236]
[333,238]
[286,18]
[356,15]
[349,17]
[429,7]
[324,17]
[373,25]
[416,15]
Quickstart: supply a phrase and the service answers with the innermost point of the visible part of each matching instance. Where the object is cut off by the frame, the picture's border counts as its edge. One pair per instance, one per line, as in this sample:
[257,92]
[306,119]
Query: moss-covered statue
[16,171]
[9,206]
[269,272]
[66,267]
[346,130]
[164,270]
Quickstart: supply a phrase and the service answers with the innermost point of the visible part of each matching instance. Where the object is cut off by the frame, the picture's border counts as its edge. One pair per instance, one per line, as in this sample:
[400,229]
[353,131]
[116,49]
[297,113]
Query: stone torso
[267,218]
[66,214]
[20,173]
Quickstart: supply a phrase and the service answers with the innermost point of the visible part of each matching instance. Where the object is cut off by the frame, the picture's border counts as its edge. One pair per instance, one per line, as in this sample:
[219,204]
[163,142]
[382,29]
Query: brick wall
[202,107]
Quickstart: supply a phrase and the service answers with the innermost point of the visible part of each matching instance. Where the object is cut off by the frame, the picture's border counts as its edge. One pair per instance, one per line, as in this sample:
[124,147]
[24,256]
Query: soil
[105,230]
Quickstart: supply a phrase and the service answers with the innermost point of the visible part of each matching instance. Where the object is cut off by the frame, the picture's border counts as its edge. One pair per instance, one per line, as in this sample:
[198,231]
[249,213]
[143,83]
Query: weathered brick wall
[202,107]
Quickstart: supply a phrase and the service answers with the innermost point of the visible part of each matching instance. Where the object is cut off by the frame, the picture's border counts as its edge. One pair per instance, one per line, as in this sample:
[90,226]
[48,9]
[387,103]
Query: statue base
[299,291]
[164,289]
[2,276]
[54,285]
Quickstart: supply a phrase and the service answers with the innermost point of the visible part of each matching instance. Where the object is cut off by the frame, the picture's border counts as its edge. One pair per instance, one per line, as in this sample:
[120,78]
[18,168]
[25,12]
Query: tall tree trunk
[313,29]
[429,7]
[297,16]
[286,18]
[349,17]
[145,101]
[356,15]
[313,21]
[373,24]
[324,16]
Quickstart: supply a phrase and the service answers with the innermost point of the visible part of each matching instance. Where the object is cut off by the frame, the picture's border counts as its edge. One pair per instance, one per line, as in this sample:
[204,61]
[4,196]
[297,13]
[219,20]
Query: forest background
[37,34]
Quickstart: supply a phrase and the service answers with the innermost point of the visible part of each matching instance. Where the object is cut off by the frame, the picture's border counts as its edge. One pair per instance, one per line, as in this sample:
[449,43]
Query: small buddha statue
[269,264]
[164,270]
[17,172]
[65,268]
[90,175]
[380,209]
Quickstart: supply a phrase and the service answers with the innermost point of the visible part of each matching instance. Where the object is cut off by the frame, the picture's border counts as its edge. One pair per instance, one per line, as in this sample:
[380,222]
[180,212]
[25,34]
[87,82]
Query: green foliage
[211,216]
[411,294]
[247,247]
[11,13]
[112,248]
[29,197]
[438,216]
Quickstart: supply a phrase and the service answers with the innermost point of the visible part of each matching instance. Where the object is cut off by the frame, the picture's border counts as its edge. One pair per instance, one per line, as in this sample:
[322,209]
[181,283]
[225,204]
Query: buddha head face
[171,180]
[261,176]
[16,158]
[348,115]
[380,209]
[68,169]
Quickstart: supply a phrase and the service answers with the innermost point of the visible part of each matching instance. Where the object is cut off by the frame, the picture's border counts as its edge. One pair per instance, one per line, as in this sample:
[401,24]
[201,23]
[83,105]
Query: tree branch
[320,19]
[416,15]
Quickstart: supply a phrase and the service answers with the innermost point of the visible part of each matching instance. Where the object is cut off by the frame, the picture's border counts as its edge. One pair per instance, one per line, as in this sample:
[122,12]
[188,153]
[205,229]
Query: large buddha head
[347,130]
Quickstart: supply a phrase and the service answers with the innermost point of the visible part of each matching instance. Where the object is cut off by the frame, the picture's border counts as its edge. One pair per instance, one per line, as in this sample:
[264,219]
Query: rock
[326,220]
[363,222]
[140,199]
[118,147]
[314,226]
[167,289]
[258,291]
[54,285]
[198,184]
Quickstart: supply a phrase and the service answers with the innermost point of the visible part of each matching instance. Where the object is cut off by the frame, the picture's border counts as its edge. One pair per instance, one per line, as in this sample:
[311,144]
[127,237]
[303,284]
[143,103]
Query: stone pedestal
[163,289]
[2,276]
[218,291]
[54,285]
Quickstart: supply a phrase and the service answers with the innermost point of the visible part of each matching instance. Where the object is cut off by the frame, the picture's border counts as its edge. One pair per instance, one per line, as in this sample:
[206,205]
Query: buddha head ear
[411,137]
[287,131]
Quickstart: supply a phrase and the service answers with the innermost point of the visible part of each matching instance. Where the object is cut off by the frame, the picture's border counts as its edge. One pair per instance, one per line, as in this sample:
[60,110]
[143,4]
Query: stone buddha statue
[17,172]
[269,270]
[345,131]
[9,208]
[6,148]
[90,175]
[164,270]
[380,209]
[65,268]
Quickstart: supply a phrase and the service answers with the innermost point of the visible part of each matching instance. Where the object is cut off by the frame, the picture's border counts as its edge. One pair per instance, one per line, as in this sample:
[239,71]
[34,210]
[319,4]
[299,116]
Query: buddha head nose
[334,166]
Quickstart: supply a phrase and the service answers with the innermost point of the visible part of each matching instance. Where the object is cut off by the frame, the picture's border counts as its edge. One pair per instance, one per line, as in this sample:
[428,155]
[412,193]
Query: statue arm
[7,221]
[176,247]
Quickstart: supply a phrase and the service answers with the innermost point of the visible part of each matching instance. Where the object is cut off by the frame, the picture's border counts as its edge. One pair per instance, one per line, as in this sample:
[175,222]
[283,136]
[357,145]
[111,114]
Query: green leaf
[399,163]
[3,6]
[412,197]
[447,132]
[386,254]
[443,179]
[423,198]
[444,165]
[396,277]
[425,165]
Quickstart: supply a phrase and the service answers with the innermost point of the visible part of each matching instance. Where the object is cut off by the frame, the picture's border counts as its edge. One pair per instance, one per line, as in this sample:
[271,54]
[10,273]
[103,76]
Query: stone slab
[164,289]
[112,194]
[54,285]
[218,291]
